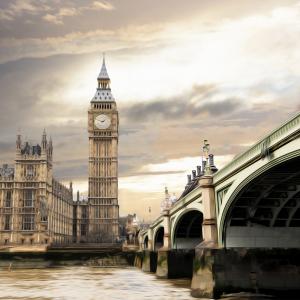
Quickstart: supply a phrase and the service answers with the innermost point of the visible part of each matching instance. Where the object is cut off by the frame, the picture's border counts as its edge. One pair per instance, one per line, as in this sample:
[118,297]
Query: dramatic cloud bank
[180,74]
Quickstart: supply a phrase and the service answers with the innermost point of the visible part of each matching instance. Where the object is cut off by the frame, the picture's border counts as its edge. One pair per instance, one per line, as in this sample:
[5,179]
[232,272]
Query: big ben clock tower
[103,124]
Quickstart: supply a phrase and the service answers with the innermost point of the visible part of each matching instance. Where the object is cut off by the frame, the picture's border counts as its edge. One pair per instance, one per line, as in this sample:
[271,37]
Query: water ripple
[89,283]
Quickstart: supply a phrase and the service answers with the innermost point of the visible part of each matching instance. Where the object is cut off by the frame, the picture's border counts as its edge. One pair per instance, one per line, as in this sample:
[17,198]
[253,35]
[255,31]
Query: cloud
[53,19]
[71,169]
[57,18]
[103,5]
[79,42]
[68,11]
[31,107]
[19,7]
[201,100]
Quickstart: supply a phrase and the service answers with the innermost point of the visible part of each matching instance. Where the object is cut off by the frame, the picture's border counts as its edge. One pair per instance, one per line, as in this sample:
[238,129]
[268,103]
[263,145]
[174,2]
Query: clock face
[102,121]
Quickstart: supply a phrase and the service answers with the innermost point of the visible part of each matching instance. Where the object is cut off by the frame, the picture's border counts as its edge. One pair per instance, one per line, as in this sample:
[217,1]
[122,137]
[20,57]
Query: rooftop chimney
[189,179]
[198,171]
[194,174]
[211,160]
[212,163]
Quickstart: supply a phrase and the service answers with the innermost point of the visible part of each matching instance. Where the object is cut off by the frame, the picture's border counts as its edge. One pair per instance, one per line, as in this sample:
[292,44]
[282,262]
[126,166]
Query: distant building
[34,207]
[132,229]
[80,220]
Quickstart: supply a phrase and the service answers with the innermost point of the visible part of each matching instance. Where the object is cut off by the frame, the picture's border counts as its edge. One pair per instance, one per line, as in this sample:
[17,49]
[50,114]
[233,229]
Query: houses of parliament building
[37,209]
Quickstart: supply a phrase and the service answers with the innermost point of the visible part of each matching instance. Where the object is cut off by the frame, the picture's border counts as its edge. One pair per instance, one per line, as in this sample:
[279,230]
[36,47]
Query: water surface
[89,283]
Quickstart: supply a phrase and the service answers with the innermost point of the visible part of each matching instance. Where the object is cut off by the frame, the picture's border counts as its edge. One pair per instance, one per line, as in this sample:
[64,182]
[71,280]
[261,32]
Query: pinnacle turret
[103,78]
[103,73]
[18,141]
[44,140]
[50,148]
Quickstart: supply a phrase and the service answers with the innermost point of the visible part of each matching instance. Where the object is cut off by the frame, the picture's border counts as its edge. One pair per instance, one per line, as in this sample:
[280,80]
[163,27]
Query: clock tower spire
[103,92]
[103,78]
[103,132]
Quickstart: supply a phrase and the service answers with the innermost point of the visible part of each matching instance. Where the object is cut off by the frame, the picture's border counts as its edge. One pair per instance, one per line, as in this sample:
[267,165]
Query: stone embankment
[57,258]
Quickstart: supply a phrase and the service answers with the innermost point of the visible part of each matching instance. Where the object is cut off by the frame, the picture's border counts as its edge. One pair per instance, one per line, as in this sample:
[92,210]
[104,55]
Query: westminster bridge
[236,228]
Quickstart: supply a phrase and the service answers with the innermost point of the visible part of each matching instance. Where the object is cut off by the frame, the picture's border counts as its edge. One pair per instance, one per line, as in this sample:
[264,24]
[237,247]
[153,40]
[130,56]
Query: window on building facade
[84,213]
[97,212]
[7,222]
[7,202]
[105,212]
[82,229]
[28,198]
[29,170]
[28,222]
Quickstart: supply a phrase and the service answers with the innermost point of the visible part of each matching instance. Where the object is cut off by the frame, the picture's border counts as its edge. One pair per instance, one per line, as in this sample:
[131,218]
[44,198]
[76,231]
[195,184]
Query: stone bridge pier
[209,225]
[162,270]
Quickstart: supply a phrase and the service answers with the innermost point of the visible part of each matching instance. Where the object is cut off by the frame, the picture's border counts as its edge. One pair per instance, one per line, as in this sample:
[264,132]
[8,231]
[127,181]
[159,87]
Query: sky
[181,71]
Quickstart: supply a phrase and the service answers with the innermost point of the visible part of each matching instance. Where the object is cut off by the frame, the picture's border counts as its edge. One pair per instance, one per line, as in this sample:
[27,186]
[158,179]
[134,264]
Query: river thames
[88,283]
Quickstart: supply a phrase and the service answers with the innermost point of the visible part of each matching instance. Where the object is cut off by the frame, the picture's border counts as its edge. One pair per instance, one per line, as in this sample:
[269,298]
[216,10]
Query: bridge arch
[159,237]
[263,208]
[145,242]
[187,229]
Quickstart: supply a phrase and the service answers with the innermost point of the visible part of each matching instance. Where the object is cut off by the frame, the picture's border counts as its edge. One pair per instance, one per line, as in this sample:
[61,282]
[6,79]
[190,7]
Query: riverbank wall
[59,257]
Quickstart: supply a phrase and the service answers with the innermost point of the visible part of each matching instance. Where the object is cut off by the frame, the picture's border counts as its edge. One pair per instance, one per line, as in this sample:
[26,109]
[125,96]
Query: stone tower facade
[103,125]
[34,207]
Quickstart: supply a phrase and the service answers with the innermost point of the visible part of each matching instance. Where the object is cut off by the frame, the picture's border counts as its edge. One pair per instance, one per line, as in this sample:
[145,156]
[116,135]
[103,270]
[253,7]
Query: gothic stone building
[34,207]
